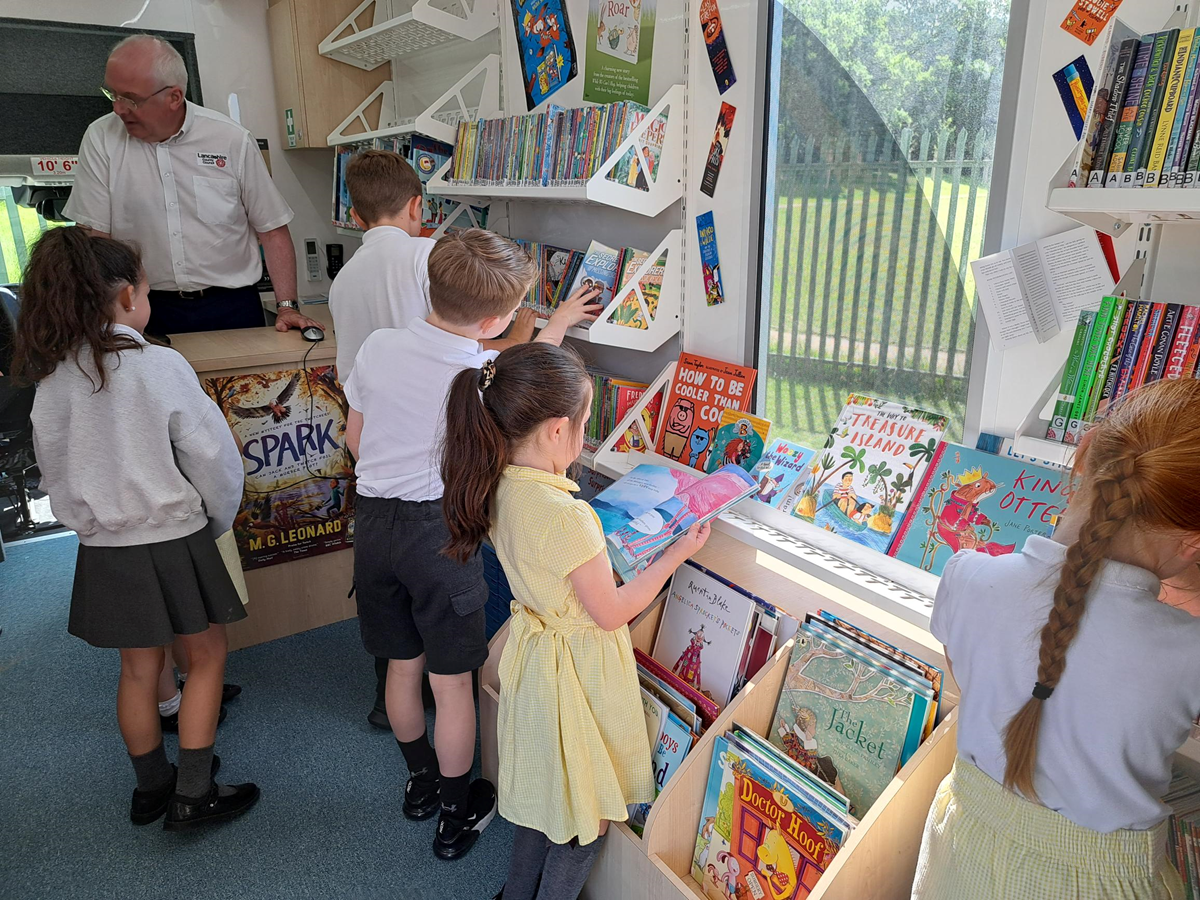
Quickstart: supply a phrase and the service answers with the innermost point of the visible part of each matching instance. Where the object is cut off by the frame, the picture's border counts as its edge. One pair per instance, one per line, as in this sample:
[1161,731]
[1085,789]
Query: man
[190,188]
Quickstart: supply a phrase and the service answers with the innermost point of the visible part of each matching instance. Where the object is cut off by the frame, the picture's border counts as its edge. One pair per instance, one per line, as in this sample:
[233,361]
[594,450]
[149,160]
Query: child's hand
[690,543]
[581,306]
[523,325]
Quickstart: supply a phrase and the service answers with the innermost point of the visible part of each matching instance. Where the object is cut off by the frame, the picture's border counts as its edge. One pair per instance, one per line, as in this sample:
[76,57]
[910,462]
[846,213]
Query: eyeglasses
[131,103]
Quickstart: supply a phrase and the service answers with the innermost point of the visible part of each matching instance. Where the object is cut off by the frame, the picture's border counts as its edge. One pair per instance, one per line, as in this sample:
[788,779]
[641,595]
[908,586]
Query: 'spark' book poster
[701,390]
[298,499]
[620,51]
[863,479]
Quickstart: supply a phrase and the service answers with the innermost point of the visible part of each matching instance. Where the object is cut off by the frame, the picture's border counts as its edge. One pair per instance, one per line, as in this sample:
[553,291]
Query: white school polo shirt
[385,284]
[192,203]
[399,383]
[1128,694]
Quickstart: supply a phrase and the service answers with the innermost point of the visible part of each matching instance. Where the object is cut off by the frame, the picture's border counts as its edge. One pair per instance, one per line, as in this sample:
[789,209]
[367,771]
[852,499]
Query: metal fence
[870,285]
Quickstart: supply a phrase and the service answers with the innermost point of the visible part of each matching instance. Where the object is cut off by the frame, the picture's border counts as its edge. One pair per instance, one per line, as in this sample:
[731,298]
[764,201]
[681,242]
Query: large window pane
[881,130]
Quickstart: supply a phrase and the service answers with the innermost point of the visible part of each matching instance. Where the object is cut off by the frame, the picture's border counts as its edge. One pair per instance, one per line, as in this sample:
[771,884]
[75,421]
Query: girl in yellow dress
[571,732]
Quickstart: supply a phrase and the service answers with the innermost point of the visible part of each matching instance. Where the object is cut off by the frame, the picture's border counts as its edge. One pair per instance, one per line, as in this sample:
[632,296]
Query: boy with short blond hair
[417,607]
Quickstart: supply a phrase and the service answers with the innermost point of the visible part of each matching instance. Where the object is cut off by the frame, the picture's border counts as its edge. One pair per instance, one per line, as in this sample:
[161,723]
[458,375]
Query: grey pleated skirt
[142,596]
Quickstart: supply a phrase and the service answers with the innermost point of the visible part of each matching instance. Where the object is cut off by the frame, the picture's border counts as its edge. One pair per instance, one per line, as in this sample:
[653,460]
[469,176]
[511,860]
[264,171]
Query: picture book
[592,483]
[638,166]
[782,473]
[763,831]
[667,753]
[700,391]
[740,441]
[648,509]
[842,719]
[427,156]
[630,312]
[862,481]
[710,260]
[706,709]
[655,711]
[546,47]
[680,705]
[714,43]
[632,440]
[822,793]
[716,151]
[617,64]
[597,269]
[704,628]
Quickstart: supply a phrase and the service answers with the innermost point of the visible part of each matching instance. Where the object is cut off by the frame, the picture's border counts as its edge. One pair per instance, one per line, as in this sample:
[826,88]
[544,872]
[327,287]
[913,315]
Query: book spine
[1149,107]
[1094,117]
[1129,358]
[1193,354]
[1181,134]
[1162,345]
[1185,335]
[1115,324]
[1170,108]
[914,511]
[1125,125]
[1087,369]
[1116,101]
[1145,355]
[1070,379]
[1114,365]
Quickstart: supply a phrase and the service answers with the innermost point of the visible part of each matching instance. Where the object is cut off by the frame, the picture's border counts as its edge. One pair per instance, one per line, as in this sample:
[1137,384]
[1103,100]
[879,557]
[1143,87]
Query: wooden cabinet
[318,92]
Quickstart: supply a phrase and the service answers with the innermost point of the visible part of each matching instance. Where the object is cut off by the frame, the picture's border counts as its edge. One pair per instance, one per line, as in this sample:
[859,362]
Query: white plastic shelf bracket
[393,33]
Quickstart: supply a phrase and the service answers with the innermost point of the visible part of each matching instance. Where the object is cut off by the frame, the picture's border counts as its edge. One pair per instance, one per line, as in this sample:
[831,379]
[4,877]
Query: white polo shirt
[385,284]
[399,383]
[192,203]
[1127,697]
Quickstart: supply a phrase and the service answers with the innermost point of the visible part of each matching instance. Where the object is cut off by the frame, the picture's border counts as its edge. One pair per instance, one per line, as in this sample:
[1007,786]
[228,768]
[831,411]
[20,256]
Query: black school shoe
[191,812]
[456,836]
[421,798]
[170,724]
[147,806]
[228,691]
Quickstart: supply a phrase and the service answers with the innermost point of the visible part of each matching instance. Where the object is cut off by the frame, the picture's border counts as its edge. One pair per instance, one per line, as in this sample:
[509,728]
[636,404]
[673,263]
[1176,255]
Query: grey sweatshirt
[148,459]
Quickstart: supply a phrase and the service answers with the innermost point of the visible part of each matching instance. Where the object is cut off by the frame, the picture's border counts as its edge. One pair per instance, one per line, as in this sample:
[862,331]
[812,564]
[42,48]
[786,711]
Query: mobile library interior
[882,258]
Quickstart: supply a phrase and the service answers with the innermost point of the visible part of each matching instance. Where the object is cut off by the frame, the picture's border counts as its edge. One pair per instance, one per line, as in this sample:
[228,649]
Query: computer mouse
[312,333]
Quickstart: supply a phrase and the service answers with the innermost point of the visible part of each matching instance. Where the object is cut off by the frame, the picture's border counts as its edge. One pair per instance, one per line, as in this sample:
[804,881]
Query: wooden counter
[293,596]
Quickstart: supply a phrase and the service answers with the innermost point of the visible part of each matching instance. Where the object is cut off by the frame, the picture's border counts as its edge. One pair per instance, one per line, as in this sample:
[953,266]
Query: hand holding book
[581,306]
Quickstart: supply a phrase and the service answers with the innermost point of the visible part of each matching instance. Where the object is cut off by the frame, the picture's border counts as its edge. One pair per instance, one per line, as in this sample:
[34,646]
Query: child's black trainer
[455,836]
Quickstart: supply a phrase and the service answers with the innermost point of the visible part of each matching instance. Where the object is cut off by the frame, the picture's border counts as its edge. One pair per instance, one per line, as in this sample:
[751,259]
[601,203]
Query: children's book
[681,706]
[862,481]
[546,46]
[706,709]
[592,483]
[705,626]
[970,499]
[648,509]
[843,719]
[666,756]
[619,30]
[700,391]
[631,440]
[655,711]
[638,166]
[782,473]
[427,156]
[597,269]
[740,441]
[629,311]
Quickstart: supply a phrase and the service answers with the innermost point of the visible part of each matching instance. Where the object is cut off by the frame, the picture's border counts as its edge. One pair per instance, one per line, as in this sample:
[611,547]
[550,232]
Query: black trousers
[217,310]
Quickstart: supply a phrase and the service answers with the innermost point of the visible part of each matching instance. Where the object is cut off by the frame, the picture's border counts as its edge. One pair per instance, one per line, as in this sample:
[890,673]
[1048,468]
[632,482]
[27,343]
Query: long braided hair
[1140,469]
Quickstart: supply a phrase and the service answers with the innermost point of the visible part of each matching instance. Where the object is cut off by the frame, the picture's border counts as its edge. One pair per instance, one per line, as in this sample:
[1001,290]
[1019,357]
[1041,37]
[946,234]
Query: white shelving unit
[666,188]
[399,27]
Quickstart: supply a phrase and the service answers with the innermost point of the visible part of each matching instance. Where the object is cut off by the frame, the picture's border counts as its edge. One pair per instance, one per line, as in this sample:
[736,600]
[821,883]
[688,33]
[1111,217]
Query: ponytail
[67,296]
[490,412]
[1138,469]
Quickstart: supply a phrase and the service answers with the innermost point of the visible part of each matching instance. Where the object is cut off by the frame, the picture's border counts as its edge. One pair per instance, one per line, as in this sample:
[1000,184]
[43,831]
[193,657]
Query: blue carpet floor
[329,822]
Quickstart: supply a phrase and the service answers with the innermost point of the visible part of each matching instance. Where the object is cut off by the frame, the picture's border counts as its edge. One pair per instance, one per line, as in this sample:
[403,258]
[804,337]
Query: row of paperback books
[1116,349]
[852,710]
[1184,832]
[612,398]
[1141,127]
[557,147]
[691,675]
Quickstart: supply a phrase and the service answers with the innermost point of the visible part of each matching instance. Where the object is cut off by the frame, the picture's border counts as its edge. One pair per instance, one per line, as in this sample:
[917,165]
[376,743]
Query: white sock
[183,676]
[170,707]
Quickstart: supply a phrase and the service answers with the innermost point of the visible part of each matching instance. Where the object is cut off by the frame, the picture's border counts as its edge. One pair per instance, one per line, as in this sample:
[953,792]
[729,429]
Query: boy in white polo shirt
[385,284]
[416,607]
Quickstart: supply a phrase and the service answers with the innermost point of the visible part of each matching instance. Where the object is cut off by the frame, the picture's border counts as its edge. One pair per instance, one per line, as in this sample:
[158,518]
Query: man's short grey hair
[166,66]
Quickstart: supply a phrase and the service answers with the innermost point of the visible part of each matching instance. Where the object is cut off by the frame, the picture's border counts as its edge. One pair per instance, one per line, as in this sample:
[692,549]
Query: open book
[1037,289]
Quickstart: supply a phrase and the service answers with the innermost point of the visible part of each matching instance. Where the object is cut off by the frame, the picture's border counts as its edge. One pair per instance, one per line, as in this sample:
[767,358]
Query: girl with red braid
[1078,683]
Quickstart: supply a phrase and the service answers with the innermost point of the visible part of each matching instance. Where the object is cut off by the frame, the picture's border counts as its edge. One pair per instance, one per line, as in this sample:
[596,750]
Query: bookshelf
[666,189]
[378,31]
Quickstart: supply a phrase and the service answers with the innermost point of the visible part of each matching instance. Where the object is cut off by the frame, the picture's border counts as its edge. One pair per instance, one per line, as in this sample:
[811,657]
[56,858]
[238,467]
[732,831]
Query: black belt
[197,294]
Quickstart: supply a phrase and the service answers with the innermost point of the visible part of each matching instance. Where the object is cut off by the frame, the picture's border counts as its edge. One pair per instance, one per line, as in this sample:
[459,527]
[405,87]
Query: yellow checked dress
[571,732]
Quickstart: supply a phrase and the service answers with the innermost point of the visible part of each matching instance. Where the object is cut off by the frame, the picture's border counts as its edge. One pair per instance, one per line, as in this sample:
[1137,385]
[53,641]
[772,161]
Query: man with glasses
[190,188]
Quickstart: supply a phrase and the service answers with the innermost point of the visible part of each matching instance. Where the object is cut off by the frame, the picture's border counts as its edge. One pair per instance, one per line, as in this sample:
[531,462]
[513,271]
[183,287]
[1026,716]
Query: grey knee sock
[567,868]
[525,863]
[195,772]
[152,769]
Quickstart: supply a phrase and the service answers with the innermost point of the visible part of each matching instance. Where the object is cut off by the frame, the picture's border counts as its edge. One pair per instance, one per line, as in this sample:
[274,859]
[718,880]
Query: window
[881,125]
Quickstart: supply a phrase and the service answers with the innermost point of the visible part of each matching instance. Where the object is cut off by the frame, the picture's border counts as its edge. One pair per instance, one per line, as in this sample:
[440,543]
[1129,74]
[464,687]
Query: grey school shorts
[411,598]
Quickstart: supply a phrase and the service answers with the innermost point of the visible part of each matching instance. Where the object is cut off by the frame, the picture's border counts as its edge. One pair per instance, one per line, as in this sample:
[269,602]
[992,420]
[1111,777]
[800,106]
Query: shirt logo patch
[220,160]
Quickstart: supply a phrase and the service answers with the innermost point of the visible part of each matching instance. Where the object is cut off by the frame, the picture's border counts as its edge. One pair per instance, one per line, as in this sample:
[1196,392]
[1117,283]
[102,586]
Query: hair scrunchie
[486,374]
[1041,691]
